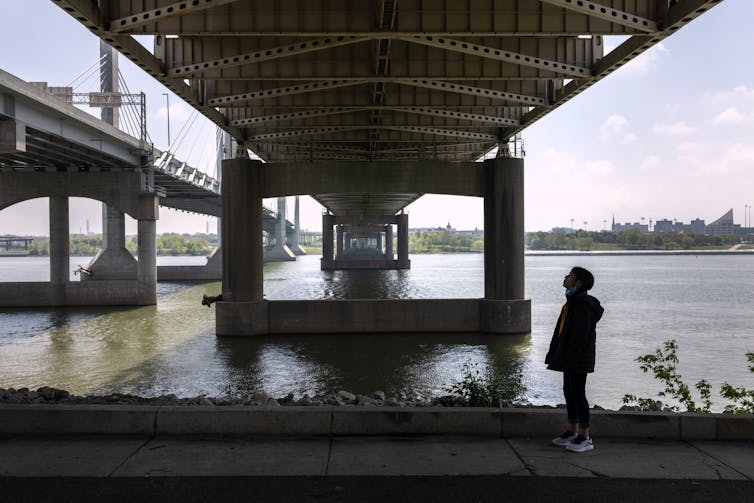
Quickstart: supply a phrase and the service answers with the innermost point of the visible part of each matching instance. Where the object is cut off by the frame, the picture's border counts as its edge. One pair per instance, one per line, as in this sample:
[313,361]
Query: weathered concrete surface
[354,420]
[423,456]
[373,315]
[202,456]
[90,293]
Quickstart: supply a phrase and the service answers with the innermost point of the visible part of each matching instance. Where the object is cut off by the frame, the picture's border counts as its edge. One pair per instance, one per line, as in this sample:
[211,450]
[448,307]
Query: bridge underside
[367,106]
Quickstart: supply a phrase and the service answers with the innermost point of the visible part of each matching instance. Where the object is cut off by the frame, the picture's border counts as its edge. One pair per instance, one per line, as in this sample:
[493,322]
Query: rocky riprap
[50,395]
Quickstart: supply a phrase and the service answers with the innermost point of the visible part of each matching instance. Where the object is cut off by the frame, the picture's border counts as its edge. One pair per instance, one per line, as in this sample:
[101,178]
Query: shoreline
[557,253]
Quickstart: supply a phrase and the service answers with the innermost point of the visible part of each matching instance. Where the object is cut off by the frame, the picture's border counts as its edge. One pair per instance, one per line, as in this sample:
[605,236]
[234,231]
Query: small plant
[663,364]
[743,398]
[486,388]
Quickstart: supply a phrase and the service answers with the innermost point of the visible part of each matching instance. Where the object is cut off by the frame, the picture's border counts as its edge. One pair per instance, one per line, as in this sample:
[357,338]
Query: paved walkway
[394,468]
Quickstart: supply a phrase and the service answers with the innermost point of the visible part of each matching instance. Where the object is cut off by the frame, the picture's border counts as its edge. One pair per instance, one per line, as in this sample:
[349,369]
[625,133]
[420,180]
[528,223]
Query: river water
[705,303]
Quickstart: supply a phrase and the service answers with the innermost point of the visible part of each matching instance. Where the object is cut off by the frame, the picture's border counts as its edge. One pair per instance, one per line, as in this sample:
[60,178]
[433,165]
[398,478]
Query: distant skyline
[667,136]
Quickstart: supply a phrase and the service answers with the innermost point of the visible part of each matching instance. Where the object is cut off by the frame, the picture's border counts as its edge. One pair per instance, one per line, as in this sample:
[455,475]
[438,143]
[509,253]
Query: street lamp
[584,225]
[572,229]
[167,99]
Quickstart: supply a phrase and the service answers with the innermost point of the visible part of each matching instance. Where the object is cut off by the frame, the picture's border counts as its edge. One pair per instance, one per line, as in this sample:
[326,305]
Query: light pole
[642,222]
[604,225]
[584,225]
[167,99]
[572,229]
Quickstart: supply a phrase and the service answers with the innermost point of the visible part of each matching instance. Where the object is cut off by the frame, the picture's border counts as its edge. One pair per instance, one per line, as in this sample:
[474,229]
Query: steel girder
[297,78]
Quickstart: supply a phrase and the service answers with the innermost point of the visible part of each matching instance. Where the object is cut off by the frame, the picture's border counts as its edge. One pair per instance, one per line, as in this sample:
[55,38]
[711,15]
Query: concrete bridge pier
[146,271]
[328,261]
[294,242]
[280,252]
[403,261]
[59,249]
[243,310]
[113,261]
[375,229]
[504,308]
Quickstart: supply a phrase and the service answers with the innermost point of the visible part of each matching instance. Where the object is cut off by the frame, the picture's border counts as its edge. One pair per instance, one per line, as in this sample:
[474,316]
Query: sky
[670,135]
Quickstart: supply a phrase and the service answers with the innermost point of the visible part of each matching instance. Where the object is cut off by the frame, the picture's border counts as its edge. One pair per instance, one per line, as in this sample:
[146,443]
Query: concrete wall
[331,177]
[332,421]
[90,293]
[372,315]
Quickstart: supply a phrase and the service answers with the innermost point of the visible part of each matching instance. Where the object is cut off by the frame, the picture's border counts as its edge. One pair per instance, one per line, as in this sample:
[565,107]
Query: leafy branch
[663,364]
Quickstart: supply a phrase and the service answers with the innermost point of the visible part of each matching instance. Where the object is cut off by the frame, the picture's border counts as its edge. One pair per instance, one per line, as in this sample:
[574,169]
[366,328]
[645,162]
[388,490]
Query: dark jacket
[573,350]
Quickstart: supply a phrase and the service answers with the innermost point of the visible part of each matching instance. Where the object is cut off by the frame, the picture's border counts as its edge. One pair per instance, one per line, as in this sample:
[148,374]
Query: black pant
[574,389]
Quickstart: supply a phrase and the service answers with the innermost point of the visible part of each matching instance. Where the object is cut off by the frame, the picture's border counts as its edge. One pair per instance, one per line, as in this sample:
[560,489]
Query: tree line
[626,240]
[167,244]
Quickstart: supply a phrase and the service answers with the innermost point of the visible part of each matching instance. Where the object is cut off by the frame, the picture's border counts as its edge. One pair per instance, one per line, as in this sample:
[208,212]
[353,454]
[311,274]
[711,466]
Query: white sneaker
[564,439]
[580,444]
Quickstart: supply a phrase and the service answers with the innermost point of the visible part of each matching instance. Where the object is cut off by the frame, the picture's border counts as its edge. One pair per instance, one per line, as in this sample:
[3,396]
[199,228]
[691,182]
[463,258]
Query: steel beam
[308,87]
[450,87]
[304,114]
[501,55]
[264,138]
[264,55]
[600,11]
[164,12]
[451,114]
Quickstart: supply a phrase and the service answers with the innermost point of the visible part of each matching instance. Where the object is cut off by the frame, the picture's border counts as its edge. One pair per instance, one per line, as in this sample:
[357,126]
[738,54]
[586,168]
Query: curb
[337,421]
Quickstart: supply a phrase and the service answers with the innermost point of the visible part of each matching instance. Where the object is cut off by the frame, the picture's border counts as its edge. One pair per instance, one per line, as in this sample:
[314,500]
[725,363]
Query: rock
[391,402]
[346,396]
[379,395]
[306,400]
[285,400]
[629,408]
[272,402]
[205,401]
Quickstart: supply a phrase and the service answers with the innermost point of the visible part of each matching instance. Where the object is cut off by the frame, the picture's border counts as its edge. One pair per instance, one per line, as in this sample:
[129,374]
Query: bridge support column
[389,241]
[113,261]
[339,246]
[328,262]
[403,261]
[504,308]
[59,248]
[146,271]
[243,310]
[295,243]
[280,252]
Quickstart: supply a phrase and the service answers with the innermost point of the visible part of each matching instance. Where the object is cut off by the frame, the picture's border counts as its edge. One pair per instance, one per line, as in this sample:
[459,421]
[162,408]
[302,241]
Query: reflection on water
[172,348]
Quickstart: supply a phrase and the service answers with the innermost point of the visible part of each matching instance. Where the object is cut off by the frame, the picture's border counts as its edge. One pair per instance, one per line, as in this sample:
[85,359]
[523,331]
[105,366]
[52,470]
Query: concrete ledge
[188,273]
[243,421]
[372,315]
[91,293]
[77,419]
[334,421]
[424,421]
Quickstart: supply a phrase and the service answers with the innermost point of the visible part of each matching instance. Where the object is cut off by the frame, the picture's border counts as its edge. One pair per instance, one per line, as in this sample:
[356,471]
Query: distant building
[630,226]
[723,225]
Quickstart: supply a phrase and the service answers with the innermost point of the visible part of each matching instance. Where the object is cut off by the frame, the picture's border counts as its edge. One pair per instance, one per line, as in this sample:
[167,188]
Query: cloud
[650,163]
[729,116]
[646,62]
[615,128]
[599,167]
[740,95]
[679,128]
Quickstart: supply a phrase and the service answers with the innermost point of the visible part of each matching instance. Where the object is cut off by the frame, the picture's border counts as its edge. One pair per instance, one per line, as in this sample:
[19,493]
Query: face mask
[571,291]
